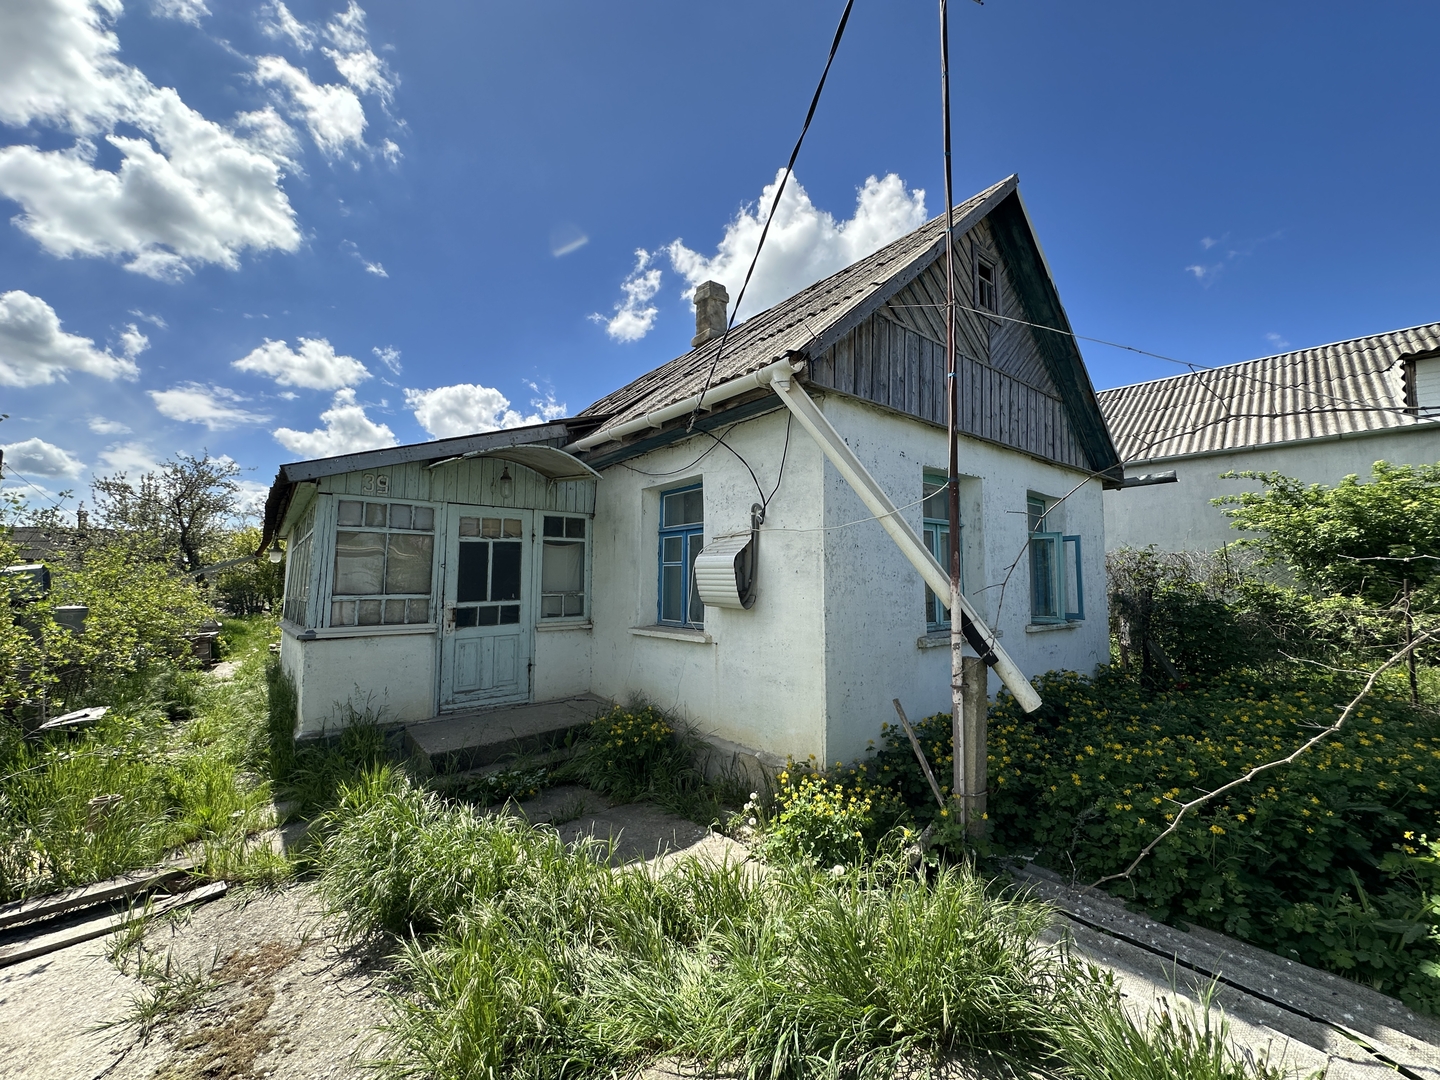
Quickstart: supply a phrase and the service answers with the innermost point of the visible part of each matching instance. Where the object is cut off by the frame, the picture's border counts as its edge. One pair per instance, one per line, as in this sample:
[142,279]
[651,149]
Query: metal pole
[961,785]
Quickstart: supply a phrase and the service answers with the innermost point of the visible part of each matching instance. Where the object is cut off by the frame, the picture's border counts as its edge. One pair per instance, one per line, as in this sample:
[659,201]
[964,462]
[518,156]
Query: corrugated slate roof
[1343,388]
[791,324]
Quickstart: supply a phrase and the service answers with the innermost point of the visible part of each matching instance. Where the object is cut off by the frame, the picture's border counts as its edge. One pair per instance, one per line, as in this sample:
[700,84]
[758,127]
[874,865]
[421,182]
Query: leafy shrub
[624,749]
[1289,862]
[828,819]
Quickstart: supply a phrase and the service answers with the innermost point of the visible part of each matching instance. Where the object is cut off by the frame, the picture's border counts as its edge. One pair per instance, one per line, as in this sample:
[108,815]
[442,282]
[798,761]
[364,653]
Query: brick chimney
[711,302]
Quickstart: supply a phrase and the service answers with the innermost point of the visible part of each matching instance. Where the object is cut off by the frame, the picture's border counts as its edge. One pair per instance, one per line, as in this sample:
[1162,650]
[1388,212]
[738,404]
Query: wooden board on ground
[99,927]
[102,892]
[1387,1030]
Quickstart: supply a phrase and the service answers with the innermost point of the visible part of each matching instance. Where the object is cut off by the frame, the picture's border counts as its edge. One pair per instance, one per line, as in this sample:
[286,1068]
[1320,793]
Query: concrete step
[460,742]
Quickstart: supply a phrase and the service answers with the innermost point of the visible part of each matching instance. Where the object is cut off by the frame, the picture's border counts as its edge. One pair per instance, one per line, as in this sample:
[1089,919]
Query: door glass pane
[563,568]
[513,528]
[505,578]
[350,513]
[465,616]
[554,526]
[489,616]
[575,528]
[407,567]
[509,614]
[490,527]
[472,579]
[360,563]
[672,593]
[469,526]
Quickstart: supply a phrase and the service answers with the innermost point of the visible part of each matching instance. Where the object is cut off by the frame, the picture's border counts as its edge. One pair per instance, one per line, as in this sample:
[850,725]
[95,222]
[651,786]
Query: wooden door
[487,644]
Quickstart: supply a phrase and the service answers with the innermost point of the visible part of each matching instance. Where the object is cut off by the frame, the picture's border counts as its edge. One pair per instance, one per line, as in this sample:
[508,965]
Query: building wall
[1180,516]
[875,621]
[754,678]
[389,674]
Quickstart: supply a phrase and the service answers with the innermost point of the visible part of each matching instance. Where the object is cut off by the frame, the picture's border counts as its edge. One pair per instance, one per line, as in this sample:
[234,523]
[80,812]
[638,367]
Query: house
[708,537]
[1318,414]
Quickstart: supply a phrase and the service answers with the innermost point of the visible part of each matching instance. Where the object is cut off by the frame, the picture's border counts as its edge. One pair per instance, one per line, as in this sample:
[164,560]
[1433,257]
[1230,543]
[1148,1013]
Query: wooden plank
[864,361]
[102,892]
[912,374]
[61,939]
[845,364]
[1396,1032]
[822,368]
[879,361]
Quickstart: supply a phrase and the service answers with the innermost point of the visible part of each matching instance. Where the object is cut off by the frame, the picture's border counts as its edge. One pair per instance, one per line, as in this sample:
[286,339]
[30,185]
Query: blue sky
[467,215]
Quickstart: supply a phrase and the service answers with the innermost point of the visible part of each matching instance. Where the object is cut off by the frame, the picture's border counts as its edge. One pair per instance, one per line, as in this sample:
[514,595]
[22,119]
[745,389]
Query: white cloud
[102,426]
[365,71]
[466,408]
[34,350]
[187,11]
[36,457]
[250,496]
[389,356]
[347,430]
[130,457]
[347,29]
[332,113]
[132,341]
[1206,274]
[188,191]
[265,131]
[634,315]
[214,406]
[1277,341]
[391,151]
[804,244]
[370,267]
[154,320]
[314,366]
[279,23]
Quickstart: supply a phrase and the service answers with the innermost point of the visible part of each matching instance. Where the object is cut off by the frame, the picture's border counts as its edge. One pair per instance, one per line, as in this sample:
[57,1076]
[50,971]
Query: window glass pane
[505,577]
[509,614]
[407,567]
[554,526]
[418,611]
[563,568]
[937,498]
[394,612]
[1036,511]
[469,526]
[1043,599]
[552,607]
[375,515]
[574,604]
[489,616]
[513,527]
[490,527]
[674,548]
[472,580]
[672,593]
[684,508]
[465,616]
[360,563]
[400,515]
[423,518]
[350,513]
[575,528]
[369,613]
[342,613]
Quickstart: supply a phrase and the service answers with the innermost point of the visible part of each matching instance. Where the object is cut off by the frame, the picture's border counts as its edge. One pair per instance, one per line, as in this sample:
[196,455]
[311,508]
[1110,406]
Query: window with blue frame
[682,534]
[935,521]
[1057,586]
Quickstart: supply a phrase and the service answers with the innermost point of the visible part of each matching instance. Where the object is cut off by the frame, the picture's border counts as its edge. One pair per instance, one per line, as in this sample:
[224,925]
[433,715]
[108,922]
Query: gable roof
[1347,387]
[809,317]
[816,317]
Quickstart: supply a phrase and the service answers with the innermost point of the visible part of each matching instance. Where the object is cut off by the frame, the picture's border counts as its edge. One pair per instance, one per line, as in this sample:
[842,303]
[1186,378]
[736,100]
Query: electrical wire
[10,471]
[774,205]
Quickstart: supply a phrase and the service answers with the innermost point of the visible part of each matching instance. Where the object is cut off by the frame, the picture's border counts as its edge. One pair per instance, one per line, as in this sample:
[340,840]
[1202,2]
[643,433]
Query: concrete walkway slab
[474,739]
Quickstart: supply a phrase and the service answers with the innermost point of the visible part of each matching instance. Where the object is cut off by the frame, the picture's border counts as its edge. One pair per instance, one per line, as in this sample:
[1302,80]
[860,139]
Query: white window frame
[334,598]
[993,285]
[584,544]
[1059,550]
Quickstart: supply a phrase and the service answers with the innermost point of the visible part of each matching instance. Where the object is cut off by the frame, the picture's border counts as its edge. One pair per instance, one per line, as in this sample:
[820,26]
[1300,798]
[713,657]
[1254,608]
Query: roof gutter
[783,368]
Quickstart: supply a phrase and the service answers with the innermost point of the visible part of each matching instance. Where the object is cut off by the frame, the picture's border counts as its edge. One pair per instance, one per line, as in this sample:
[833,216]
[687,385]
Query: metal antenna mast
[960,784]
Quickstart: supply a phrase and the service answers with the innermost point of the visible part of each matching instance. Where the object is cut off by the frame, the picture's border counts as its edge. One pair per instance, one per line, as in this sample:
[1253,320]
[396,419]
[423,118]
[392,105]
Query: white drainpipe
[879,504]
[723,392]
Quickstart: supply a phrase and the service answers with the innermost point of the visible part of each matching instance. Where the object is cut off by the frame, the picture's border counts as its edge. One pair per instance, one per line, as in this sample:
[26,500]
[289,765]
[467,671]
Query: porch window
[682,535]
[935,515]
[1057,587]
[562,567]
[298,554]
[384,554]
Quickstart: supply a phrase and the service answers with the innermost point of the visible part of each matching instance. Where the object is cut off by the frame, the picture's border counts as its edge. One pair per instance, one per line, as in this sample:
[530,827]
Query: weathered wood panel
[476,482]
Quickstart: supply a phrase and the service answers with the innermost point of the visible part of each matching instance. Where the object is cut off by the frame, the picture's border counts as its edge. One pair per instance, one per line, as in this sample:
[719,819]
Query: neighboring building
[614,552]
[1317,414]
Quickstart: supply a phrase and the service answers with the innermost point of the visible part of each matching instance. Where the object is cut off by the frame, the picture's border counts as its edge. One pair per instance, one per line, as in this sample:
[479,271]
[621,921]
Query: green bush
[828,819]
[1295,862]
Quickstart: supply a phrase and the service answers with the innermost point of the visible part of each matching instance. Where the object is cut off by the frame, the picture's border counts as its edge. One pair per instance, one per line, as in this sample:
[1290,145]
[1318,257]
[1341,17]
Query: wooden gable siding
[474,482]
[896,358]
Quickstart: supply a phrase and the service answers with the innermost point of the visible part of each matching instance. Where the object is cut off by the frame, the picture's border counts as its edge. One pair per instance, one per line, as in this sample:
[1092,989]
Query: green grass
[519,955]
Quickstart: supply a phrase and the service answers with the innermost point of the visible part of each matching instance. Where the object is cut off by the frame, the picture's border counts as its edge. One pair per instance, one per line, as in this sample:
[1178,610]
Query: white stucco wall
[756,677]
[875,598]
[1180,517]
[392,674]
